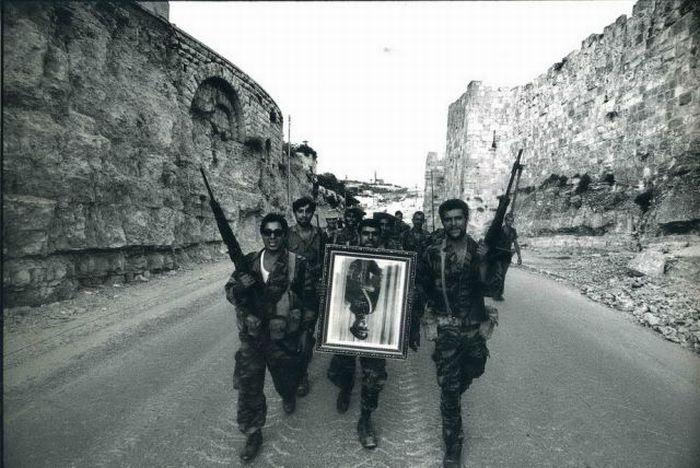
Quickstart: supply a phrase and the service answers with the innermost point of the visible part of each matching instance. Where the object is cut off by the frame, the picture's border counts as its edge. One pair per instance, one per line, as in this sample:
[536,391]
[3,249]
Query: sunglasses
[270,232]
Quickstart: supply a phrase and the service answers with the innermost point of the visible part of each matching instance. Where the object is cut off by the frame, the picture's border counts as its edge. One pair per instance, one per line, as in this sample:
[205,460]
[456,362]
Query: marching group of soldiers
[277,306]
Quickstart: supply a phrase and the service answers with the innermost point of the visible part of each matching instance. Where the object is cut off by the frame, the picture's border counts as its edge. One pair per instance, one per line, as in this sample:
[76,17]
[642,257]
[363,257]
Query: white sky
[368,84]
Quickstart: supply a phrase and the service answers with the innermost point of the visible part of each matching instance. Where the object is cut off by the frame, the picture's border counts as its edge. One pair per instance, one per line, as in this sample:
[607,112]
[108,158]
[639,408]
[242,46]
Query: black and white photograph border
[387,322]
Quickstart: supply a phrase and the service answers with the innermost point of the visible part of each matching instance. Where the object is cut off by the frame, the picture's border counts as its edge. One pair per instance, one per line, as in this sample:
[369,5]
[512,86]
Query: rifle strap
[443,248]
[290,269]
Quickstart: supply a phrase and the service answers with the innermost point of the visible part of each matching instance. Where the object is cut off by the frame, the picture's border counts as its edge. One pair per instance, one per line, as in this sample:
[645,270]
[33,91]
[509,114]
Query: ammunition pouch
[278,328]
[294,321]
[253,325]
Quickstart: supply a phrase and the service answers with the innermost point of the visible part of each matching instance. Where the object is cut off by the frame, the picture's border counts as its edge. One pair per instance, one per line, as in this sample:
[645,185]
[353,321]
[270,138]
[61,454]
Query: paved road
[569,383]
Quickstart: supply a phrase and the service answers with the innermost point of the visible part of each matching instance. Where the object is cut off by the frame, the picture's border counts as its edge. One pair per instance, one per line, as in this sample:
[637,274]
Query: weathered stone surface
[109,112]
[26,221]
[622,110]
[679,206]
[650,319]
[648,263]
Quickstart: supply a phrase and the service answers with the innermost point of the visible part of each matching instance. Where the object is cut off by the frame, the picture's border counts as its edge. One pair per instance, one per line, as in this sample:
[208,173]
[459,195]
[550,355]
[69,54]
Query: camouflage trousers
[342,373]
[501,270]
[252,359]
[460,357]
[308,350]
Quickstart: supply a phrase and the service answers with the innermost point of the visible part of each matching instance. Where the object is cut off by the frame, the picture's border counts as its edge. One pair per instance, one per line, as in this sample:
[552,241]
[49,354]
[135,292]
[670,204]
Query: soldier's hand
[482,250]
[246,279]
[503,200]
[520,260]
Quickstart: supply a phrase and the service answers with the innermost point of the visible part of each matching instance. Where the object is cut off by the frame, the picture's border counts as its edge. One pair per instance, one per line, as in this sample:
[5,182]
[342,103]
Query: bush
[583,184]
[554,180]
[254,143]
[609,179]
[644,199]
[329,181]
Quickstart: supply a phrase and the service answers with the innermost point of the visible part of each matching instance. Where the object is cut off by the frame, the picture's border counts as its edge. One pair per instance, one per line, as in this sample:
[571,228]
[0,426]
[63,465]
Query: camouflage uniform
[347,236]
[390,243]
[400,228]
[504,255]
[415,240]
[460,350]
[342,373]
[312,250]
[269,334]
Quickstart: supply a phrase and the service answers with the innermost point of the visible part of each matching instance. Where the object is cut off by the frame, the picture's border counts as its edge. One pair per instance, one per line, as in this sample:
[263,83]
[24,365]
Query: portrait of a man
[366,308]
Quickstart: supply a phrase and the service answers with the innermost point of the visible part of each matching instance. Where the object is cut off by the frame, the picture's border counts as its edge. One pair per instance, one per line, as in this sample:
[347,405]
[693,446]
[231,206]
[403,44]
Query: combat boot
[453,455]
[252,446]
[304,386]
[343,402]
[365,431]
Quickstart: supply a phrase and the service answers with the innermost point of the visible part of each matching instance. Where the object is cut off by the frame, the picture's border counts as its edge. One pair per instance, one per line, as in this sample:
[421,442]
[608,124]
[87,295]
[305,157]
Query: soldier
[504,252]
[452,280]
[386,231]
[349,235]
[399,226]
[332,229]
[308,241]
[342,368]
[270,302]
[416,239]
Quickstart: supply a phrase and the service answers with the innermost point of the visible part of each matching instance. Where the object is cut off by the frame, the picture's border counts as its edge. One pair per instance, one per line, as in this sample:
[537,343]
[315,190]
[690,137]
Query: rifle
[515,190]
[254,296]
[234,248]
[495,231]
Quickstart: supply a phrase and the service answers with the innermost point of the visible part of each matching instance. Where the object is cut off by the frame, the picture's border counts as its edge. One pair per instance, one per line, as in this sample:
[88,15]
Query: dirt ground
[37,339]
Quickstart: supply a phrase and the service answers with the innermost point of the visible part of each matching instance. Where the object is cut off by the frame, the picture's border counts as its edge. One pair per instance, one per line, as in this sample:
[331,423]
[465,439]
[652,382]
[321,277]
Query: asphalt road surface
[568,383]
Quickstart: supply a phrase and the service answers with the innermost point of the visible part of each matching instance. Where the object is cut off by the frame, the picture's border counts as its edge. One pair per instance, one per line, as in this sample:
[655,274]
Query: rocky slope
[666,300]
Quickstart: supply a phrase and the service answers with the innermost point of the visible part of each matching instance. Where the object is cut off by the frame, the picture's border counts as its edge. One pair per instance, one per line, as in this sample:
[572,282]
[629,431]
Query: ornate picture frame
[367,301]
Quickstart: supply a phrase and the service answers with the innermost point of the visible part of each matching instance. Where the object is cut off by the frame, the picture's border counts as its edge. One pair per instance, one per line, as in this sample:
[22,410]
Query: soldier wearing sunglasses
[270,337]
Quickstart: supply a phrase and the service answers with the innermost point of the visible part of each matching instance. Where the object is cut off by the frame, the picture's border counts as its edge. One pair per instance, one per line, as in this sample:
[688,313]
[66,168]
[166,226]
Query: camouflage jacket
[311,249]
[390,243]
[465,282]
[348,237]
[301,292]
[505,243]
[415,240]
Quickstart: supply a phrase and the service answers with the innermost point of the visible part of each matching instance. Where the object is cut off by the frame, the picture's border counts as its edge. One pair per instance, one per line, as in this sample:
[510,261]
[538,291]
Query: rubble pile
[667,304]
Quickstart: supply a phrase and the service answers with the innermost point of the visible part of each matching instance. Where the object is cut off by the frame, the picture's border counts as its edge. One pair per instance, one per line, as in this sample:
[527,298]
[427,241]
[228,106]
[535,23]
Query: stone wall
[620,114]
[434,188]
[109,112]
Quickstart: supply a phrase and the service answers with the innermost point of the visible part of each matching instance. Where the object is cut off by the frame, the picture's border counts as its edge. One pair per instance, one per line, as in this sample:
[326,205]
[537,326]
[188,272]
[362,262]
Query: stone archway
[218,125]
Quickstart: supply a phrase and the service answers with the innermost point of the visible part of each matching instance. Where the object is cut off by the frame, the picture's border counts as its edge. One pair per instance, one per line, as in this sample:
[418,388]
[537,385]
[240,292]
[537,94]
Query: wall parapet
[621,108]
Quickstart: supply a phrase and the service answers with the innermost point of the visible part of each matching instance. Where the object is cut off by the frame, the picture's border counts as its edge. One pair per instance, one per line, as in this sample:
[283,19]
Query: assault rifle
[234,248]
[493,235]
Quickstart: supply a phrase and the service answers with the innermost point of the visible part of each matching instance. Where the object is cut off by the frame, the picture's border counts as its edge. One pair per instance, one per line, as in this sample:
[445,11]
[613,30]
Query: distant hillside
[384,197]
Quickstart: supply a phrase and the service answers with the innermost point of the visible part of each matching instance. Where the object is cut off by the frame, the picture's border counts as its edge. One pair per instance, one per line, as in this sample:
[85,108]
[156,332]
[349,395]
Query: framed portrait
[366,308]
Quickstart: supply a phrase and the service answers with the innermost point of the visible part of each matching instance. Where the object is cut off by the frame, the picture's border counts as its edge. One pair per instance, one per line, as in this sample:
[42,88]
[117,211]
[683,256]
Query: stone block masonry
[622,112]
[109,111]
[434,188]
